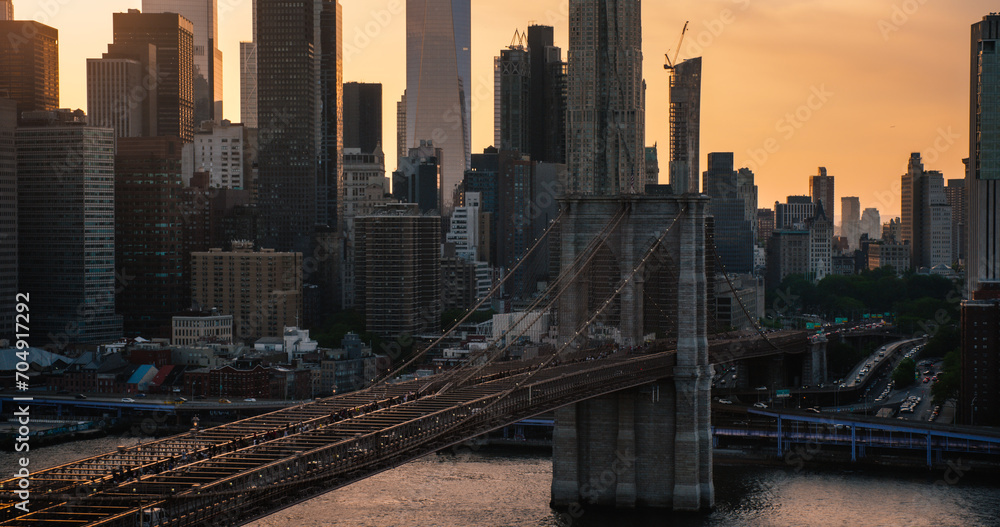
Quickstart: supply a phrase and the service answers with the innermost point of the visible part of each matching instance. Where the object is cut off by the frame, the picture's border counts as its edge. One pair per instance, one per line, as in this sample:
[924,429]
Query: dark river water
[511,488]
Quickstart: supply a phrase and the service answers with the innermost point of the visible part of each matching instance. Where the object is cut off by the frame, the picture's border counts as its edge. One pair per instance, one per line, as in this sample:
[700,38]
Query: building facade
[547,95]
[397,255]
[219,150]
[8,216]
[734,207]
[66,228]
[850,217]
[262,290]
[29,58]
[188,330]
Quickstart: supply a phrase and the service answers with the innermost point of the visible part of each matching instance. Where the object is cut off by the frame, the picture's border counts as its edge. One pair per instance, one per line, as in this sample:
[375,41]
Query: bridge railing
[351,459]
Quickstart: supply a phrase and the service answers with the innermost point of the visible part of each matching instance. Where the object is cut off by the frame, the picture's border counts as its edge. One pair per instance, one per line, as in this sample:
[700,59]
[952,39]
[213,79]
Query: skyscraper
[821,189]
[66,218]
[983,179]
[439,84]
[29,60]
[248,84]
[172,34]
[512,111]
[547,96]
[299,100]
[926,216]
[685,126]
[207,60]
[6,10]
[734,207]
[606,103]
[850,212]
[149,220]
[362,116]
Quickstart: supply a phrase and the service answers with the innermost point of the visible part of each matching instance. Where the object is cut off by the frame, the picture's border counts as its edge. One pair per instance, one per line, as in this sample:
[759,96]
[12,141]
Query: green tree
[949,379]
[904,374]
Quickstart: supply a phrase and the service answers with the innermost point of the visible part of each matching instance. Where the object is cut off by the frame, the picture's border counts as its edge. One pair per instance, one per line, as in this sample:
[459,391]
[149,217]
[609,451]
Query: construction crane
[673,62]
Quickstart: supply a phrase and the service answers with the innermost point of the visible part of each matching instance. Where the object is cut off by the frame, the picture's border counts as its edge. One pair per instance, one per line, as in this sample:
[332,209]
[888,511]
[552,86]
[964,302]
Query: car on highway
[759,405]
[225,401]
[80,396]
[128,400]
[926,379]
[249,400]
[725,401]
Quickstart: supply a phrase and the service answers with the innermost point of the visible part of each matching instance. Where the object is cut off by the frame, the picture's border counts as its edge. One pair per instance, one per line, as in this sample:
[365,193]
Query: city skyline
[864,62]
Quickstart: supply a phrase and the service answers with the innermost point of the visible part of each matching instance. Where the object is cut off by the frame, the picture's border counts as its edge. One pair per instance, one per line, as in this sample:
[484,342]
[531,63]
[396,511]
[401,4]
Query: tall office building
[685,126]
[417,180]
[547,96]
[926,216]
[821,188]
[299,101]
[172,34]
[850,218]
[765,225]
[29,60]
[115,95]
[220,150]
[734,207]
[606,105]
[955,195]
[6,10]
[66,220]
[871,223]
[439,84]
[207,60]
[363,116]
[248,84]
[512,73]
[149,222]
[8,216]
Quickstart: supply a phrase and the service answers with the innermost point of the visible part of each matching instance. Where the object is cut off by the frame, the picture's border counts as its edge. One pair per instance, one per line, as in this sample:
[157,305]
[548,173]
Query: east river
[500,488]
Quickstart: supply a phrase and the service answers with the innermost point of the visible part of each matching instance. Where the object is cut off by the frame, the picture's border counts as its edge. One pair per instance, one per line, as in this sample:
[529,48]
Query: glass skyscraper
[204,15]
[439,85]
[983,178]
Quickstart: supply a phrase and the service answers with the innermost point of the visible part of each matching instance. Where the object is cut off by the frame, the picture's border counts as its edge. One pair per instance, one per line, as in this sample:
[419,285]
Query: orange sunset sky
[894,75]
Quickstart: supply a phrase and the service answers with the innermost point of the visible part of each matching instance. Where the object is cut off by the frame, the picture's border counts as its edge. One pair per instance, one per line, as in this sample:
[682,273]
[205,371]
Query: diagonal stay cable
[532,309]
[493,291]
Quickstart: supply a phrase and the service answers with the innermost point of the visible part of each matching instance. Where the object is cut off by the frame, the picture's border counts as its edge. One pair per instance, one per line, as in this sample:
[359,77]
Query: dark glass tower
[513,74]
[172,34]
[734,207]
[149,222]
[362,116]
[983,175]
[547,95]
[29,62]
[685,126]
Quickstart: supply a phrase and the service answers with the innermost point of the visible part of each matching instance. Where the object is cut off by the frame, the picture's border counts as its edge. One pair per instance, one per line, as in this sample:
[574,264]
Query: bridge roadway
[233,473]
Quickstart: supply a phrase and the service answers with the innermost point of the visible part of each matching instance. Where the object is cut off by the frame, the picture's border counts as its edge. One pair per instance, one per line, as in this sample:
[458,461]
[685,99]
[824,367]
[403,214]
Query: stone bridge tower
[650,446]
